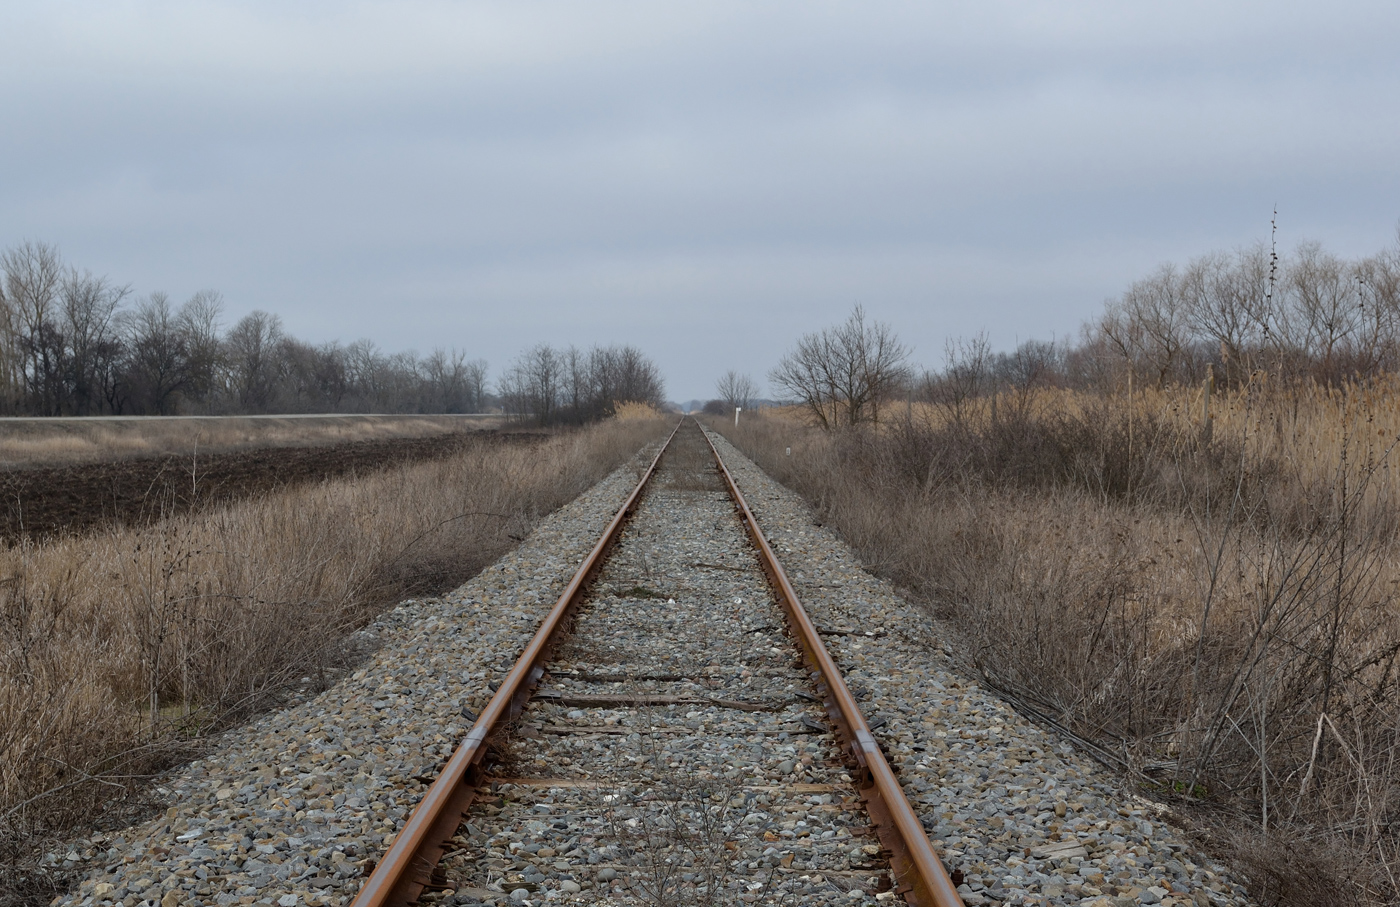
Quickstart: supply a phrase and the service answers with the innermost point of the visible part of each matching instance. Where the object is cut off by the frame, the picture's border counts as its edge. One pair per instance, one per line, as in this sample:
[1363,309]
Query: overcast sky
[704,180]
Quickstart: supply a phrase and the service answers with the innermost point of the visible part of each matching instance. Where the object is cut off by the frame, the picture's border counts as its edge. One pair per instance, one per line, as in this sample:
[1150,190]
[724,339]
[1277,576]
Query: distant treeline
[1310,317]
[570,385]
[1307,316]
[76,344]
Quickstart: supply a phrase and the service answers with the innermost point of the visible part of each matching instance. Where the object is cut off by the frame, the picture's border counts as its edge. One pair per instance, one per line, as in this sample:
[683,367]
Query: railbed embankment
[293,808]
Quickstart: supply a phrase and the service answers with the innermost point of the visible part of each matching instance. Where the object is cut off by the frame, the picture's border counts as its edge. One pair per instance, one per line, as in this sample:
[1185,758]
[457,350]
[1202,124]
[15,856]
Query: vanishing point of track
[635,767]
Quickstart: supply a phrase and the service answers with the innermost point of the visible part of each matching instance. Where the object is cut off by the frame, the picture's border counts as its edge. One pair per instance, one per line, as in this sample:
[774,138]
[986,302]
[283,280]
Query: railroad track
[675,733]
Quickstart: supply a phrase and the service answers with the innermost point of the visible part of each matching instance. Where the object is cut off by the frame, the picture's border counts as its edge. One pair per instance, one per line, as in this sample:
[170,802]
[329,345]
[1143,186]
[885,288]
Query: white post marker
[737,411]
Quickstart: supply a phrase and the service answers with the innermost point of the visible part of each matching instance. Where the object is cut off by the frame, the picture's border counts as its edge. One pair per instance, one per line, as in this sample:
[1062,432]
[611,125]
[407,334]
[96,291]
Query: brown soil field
[43,502]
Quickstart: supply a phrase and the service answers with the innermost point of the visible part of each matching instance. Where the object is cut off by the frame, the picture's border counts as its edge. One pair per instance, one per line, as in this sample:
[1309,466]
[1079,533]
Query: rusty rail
[412,861]
[921,876]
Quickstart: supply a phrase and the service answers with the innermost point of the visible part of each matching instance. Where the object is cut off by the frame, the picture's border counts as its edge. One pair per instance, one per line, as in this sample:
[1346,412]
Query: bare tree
[620,374]
[966,376]
[474,384]
[578,381]
[92,345]
[251,351]
[158,354]
[1377,280]
[1323,311]
[446,376]
[634,379]
[532,385]
[11,359]
[736,390]
[364,369]
[1032,365]
[842,375]
[200,319]
[548,386]
[1231,303]
[332,382]
[403,381]
[310,379]
[33,273]
[1148,327]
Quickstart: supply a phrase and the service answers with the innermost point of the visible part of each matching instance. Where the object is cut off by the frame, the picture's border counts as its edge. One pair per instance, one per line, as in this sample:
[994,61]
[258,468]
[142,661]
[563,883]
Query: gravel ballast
[676,751]
[679,686]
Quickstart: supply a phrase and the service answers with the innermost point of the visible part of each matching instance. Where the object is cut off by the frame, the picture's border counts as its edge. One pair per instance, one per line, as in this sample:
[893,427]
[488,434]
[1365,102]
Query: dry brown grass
[632,411]
[1220,617]
[1309,429]
[60,442]
[116,647]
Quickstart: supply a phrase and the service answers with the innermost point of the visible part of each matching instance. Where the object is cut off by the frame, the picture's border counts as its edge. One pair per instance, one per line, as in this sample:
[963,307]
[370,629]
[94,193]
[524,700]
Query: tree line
[75,344]
[1309,316]
[558,386]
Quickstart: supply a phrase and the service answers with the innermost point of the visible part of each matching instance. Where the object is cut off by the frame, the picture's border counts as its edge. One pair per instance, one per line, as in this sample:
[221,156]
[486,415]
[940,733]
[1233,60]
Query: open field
[137,491]
[121,650]
[27,443]
[1216,610]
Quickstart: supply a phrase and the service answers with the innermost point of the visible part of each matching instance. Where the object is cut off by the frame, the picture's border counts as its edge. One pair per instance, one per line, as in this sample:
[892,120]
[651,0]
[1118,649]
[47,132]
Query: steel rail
[922,879]
[412,860]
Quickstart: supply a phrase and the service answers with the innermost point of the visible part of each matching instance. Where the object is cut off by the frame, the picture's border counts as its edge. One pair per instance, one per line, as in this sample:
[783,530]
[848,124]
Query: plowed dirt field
[79,499]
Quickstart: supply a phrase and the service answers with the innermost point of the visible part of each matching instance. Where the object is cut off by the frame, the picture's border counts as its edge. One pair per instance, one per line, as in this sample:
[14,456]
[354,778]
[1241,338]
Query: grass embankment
[118,648]
[1217,612]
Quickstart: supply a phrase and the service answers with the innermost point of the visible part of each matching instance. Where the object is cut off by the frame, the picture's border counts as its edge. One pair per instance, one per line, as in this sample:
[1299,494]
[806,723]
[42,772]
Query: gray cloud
[705,181]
